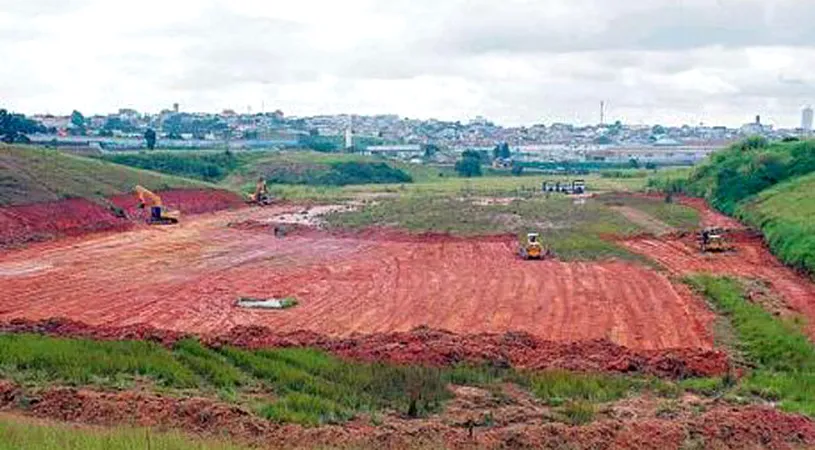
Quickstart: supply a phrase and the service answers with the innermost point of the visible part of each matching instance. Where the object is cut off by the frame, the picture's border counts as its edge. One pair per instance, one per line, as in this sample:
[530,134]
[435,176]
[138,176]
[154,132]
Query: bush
[469,166]
[209,166]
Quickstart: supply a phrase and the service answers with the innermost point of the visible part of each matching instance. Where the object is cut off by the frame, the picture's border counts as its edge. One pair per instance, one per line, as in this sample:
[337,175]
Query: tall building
[349,138]
[806,119]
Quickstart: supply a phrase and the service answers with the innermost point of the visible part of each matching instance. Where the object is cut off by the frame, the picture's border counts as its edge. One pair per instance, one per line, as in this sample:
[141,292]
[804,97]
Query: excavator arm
[147,197]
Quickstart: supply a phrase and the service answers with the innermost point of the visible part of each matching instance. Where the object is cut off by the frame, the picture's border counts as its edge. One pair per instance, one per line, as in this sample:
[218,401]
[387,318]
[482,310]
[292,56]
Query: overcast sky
[516,62]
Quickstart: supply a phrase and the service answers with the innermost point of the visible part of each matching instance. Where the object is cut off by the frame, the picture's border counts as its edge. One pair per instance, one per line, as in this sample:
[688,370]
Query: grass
[573,231]
[32,175]
[786,215]
[672,214]
[783,356]
[291,385]
[23,434]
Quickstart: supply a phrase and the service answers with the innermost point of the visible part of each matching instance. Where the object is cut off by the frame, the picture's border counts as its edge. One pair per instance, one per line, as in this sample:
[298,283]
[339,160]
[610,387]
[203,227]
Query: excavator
[532,249]
[261,195]
[158,214]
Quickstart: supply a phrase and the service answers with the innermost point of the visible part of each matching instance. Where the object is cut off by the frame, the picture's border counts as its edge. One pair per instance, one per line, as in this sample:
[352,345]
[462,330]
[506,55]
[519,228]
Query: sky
[717,62]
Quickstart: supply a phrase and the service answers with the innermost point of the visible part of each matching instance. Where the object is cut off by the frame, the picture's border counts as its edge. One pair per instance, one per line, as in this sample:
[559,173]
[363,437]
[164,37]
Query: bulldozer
[712,239]
[532,248]
[159,215]
[261,195]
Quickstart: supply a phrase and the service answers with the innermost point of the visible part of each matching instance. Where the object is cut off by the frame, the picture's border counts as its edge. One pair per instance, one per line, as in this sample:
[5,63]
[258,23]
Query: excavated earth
[517,421]
[189,277]
[76,217]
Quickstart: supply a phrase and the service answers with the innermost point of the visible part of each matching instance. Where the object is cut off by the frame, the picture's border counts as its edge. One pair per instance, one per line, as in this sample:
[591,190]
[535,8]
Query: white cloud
[717,61]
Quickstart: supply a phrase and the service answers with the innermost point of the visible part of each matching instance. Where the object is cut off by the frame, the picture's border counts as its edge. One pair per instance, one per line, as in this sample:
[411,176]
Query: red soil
[74,217]
[44,221]
[188,278]
[751,259]
[722,426]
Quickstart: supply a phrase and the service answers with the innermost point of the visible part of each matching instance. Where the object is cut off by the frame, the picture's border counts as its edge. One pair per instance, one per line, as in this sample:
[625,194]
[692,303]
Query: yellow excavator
[532,248]
[158,214]
[261,195]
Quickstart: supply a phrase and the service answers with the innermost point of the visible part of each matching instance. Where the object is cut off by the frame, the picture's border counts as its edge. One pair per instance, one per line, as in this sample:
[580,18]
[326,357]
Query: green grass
[32,175]
[786,215]
[30,358]
[573,231]
[672,214]
[21,434]
[784,357]
[212,166]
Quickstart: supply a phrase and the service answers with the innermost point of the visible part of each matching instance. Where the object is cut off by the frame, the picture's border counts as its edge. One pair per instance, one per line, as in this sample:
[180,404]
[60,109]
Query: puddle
[271,303]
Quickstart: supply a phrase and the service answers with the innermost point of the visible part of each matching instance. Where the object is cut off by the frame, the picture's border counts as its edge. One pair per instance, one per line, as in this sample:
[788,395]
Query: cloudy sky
[516,62]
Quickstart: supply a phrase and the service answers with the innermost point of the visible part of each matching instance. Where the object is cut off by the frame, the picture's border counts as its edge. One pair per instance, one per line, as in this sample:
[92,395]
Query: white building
[806,119]
[349,138]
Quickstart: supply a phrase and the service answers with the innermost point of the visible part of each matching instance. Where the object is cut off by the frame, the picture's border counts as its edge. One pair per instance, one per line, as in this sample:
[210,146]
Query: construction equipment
[712,239]
[532,248]
[261,195]
[158,214]
[575,187]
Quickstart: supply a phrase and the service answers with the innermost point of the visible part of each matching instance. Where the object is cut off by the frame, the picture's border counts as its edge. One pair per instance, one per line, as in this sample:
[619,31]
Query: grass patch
[22,435]
[578,412]
[212,166]
[783,355]
[32,358]
[574,231]
[673,214]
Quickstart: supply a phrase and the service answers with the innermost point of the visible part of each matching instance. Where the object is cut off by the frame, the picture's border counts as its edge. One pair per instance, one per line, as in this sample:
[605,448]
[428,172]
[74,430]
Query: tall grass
[784,356]
[80,361]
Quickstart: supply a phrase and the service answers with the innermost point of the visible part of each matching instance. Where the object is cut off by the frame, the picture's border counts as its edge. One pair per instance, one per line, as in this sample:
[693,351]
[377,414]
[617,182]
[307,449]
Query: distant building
[806,120]
[349,138]
[175,108]
[406,151]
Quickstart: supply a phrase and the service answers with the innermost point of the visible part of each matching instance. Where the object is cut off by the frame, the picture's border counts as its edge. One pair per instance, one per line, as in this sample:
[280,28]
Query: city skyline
[666,62]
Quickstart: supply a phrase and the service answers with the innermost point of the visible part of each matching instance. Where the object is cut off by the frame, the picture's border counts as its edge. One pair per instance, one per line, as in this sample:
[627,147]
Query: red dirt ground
[75,217]
[188,278]
[722,426]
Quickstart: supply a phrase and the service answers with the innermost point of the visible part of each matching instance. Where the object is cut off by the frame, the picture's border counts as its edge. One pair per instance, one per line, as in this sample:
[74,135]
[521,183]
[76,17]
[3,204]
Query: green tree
[633,163]
[150,138]
[517,169]
[430,150]
[501,151]
[469,165]
[14,128]
[77,119]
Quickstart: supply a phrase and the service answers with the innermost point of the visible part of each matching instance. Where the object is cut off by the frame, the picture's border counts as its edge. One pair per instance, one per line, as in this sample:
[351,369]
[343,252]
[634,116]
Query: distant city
[400,137]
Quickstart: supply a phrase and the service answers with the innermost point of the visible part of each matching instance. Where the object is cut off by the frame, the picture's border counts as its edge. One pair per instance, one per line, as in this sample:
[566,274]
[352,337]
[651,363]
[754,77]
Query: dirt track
[188,278]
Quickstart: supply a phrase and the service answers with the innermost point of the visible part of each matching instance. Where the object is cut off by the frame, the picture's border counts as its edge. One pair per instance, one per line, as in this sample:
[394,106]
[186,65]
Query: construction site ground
[384,294]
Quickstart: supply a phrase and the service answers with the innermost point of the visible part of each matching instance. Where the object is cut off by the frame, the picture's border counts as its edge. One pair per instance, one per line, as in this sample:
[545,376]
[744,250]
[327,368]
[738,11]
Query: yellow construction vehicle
[532,248]
[712,239]
[261,195]
[158,214]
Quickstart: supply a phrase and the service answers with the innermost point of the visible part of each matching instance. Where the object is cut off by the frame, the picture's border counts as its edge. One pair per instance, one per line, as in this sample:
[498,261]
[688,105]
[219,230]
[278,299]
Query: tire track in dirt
[188,278]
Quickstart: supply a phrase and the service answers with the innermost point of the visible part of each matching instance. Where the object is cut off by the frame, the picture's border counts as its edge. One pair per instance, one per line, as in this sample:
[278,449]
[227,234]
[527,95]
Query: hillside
[32,175]
[786,215]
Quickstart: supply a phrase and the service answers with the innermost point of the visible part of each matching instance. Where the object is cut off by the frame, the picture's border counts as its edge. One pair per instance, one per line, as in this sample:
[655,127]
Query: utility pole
[602,112]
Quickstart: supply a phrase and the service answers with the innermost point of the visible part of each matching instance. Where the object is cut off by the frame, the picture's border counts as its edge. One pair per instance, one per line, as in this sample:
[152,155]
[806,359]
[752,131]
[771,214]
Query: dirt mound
[75,217]
[722,426]
[45,221]
[424,346]
[188,201]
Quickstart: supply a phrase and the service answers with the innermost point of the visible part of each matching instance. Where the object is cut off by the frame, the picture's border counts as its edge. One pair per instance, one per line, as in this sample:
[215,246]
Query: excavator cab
[261,195]
[532,249]
[159,215]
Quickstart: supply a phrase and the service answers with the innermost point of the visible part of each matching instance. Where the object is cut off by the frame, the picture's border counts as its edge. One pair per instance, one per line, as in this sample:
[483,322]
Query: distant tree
[633,163]
[469,165]
[603,140]
[790,139]
[14,128]
[658,130]
[651,165]
[430,150]
[517,169]
[77,119]
[501,151]
[150,138]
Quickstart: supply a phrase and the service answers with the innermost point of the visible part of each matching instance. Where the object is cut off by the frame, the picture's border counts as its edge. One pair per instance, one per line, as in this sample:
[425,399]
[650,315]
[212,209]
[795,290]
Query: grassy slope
[32,175]
[786,215]
[25,434]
